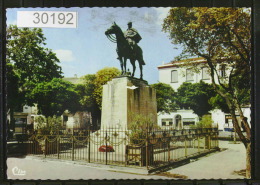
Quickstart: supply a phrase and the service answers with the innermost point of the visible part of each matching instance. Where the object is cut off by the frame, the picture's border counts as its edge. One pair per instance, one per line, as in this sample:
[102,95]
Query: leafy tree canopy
[205,122]
[90,92]
[28,61]
[139,127]
[54,97]
[87,99]
[102,77]
[31,60]
[165,97]
[13,96]
[86,92]
[222,36]
[196,96]
[219,102]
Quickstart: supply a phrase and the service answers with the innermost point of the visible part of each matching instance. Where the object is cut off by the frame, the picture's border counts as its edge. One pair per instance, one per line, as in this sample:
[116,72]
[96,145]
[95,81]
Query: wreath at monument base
[105,148]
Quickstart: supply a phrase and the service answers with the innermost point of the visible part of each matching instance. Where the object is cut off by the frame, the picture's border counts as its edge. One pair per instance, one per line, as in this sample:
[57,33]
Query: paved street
[220,165]
[54,169]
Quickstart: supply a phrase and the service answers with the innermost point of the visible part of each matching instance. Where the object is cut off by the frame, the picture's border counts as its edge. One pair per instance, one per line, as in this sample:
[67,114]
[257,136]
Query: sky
[86,49]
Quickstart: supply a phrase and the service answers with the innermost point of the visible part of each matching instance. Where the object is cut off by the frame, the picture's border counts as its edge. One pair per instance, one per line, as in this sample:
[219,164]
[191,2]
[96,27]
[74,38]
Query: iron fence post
[45,142]
[58,146]
[185,143]
[106,147]
[209,142]
[169,151]
[89,145]
[146,147]
[146,153]
[205,142]
[126,152]
[214,143]
[72,146]
[216,140]
[199,143]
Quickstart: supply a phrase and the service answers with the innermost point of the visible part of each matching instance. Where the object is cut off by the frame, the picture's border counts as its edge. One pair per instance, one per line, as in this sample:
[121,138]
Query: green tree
[13,96]
[140,126]
[222,36]
[54,97]
[86,92]
[196,96]
[48,125]
[165,97]
[28,63]
[205,122]
[218,102]
[30,60]
[90,92]
[102,77]
[87,98]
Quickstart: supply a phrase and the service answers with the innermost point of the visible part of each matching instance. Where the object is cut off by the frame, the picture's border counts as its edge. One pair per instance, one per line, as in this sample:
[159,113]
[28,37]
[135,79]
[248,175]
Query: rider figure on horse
[133,37]
[127,48]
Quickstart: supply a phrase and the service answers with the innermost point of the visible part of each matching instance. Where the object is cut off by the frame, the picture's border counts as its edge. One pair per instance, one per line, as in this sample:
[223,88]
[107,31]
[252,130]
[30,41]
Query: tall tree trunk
[247,128]
[232,106]
[243,120]
[248,160]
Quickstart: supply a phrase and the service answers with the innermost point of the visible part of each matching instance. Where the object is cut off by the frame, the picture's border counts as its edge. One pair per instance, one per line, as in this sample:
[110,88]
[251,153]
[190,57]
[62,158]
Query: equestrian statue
[127,47]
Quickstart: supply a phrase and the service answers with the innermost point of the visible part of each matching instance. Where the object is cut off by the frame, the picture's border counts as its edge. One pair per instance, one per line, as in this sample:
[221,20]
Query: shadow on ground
[16,149]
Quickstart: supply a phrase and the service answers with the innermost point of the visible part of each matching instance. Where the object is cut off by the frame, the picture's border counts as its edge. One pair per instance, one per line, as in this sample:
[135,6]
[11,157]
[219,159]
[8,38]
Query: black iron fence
[153,148]
[170,147]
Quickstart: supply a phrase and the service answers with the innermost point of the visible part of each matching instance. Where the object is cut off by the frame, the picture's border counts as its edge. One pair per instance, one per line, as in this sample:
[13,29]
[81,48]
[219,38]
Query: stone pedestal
[124,97]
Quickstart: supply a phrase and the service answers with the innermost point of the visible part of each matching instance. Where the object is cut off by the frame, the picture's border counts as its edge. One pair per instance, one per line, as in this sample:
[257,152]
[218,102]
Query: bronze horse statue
[124,50]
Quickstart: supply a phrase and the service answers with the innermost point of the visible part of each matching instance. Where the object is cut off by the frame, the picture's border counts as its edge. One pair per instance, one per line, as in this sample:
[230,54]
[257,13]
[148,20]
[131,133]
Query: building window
[174,76]
[189,75]
[222,71]
[205,73]
[188,121]
[167,122]
[163,123]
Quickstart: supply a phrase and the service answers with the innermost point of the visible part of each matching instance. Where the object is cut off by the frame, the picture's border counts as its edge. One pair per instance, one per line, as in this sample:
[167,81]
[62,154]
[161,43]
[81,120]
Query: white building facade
[175,75]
